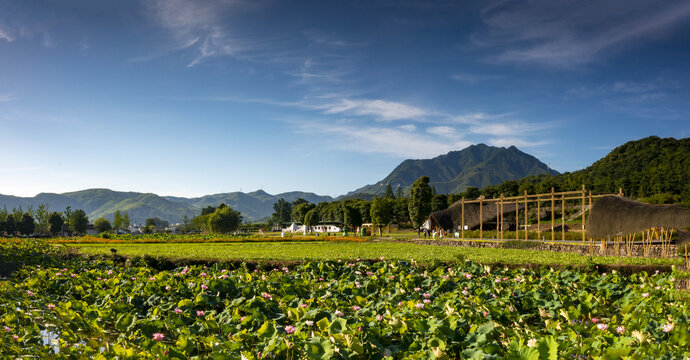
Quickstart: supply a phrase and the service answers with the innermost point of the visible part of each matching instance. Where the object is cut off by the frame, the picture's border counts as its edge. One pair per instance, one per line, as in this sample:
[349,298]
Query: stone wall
[654,250]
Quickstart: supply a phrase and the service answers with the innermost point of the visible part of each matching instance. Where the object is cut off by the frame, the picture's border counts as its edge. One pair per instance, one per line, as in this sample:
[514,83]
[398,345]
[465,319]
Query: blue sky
[198,97]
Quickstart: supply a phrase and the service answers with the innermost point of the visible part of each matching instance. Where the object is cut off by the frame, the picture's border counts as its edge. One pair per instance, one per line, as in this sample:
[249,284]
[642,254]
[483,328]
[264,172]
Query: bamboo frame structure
[583,196]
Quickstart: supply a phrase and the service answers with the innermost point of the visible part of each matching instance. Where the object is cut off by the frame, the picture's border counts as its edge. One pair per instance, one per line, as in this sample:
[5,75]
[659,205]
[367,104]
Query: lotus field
[349,309]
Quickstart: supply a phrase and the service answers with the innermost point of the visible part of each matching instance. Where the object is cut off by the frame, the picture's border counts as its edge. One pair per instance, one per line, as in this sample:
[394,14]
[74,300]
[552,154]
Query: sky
[198,97]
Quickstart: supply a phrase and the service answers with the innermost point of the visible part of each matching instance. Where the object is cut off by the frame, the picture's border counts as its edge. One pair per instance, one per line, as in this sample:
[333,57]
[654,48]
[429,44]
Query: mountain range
[477,165]
[646,166]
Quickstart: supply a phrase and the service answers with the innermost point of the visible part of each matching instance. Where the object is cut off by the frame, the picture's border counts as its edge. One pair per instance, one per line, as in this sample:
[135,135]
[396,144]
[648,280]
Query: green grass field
[310,251]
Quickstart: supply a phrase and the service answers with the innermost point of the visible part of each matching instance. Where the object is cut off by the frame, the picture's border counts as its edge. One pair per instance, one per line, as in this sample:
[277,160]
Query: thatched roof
[451,218]
[617,215]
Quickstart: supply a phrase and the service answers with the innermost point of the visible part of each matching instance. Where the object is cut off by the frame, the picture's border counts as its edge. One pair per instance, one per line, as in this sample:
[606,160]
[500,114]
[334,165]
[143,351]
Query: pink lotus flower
[203,274]
[382,258]
[267,296]
[426,301]
[620,329]
[133,278]
[15,337]
[29,292]
[167,287]
[645,295]
[7,328]
[51,306]
[152,278]
[355,308]
[74,275]
[158,336]
[58,274]
[110,272]
[290,329]
[379,317]
[178,311]
[200,313]
[595,320]
[204,287]
[417,289]
[419,305]
[668,328]
[339,313]
[602,326]
[304,306]
[427,295]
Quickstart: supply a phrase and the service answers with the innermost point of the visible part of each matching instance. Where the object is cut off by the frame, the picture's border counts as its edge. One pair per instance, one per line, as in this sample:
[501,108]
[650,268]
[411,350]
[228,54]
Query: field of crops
[329,250]
[58,308]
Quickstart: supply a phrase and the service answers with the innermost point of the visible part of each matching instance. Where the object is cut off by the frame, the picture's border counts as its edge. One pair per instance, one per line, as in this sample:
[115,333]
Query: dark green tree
[381,213]
[439,202]
[282,212]
[352,217]
[311,218]
[419,204]
[78,221]
[224,220]
[102,225]
[300,210]
[56,223]
[389,192]
[27,225]
[399,193]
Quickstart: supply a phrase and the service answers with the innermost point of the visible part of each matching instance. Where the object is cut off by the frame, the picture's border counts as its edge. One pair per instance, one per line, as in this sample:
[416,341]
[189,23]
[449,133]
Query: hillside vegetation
[652,169]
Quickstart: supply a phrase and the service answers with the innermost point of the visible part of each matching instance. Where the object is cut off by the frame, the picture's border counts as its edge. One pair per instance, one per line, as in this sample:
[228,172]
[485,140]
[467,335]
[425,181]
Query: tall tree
[300,210]
[56,222]
[419,204]
[389,192]
[78,221]
[352,217]
[117,221]
[26,226]
[126,221]
[282,211]
[311,218]
[42,216]
[399,193]
[439,202]
[381,213]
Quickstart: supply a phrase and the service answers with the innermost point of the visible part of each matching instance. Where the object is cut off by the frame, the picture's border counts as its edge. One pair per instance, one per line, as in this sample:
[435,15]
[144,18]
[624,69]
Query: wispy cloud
[380,109]
[7,98]
[565,33]
[5,35]
[396,141]
[473,78]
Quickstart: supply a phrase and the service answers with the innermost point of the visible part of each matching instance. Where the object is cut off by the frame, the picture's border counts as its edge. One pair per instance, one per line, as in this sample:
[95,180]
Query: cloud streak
[564,33]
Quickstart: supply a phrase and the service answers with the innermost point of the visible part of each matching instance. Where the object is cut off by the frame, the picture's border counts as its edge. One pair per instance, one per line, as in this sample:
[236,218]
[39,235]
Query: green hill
[477,165]
[653,169]
[140,206]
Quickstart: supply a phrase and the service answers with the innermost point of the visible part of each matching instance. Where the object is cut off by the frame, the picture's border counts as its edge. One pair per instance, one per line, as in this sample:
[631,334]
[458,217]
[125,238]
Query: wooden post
[553,216]
[496,218]
[620,191]
[538,217]
[501,216]
[517,218]
[481,215]
[583,213]
[462,222]
[526,215]
[563,217]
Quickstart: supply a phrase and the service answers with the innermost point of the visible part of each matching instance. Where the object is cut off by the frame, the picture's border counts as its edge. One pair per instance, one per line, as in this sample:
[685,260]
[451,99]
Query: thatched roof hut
[452,219]
[617,215]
